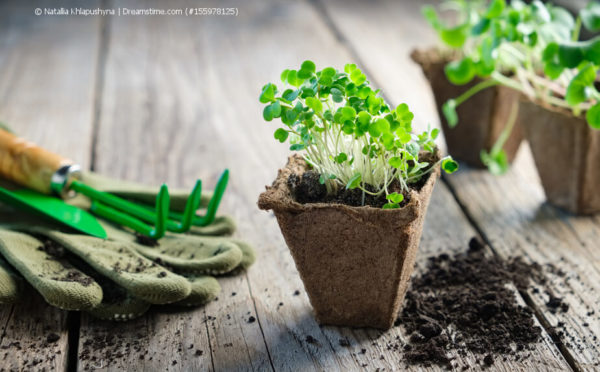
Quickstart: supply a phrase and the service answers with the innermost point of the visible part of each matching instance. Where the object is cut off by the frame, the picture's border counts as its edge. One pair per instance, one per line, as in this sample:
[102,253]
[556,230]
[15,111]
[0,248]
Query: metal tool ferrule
[62,178]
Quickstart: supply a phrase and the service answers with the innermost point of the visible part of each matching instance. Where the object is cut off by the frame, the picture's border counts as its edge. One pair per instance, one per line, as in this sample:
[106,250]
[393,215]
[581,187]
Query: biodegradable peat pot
[481,118]
[566,153]
[355,262]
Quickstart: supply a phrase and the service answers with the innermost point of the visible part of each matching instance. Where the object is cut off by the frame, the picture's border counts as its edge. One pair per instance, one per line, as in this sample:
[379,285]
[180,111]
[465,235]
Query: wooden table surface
[173,98]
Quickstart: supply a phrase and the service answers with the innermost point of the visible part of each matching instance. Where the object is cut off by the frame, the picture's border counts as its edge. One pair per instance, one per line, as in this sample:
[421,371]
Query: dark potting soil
[462,303]
[146,240]
[55,251]
[307,189]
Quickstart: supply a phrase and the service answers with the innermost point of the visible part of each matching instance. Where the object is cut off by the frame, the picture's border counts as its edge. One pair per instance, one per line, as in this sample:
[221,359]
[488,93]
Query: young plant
[530,48]
[349,135]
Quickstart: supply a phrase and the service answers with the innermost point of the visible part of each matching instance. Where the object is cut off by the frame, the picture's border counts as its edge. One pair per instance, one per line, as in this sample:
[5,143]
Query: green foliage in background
[532,48]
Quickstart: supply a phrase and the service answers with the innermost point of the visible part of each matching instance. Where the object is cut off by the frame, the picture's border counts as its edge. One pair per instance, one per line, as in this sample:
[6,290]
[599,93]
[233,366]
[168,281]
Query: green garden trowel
[55,208]
[49,178]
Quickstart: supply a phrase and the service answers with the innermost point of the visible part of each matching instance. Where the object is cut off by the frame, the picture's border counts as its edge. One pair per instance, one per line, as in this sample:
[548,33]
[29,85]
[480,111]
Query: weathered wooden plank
[47,73]
[404,83]
[150,129]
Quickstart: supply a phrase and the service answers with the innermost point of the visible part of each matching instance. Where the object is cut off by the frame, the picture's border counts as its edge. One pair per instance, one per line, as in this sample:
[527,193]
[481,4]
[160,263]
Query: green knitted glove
[58,281]
[131,275]
[11,284]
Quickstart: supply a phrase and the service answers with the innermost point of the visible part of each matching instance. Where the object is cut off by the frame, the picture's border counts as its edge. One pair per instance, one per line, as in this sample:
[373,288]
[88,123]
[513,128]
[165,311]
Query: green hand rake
[51,174]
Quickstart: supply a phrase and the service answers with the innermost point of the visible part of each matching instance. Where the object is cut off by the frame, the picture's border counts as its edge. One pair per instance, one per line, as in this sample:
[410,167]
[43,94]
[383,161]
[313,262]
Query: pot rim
[277,197]
[559,110]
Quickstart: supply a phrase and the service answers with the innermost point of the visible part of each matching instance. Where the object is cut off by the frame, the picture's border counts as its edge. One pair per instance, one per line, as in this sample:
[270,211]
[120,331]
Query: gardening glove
[128,294]
[107,278]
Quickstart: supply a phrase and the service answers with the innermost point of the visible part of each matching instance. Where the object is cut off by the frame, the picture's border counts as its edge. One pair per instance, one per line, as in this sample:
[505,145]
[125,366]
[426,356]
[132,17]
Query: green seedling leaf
[324,177]
[395,197]
[590,16]
[354,182]
[395,161]
[348,113]
[391,206]
[307,70]
[496,161]
[297,147]
[431,16]
[580,88]
[276,109]
[495,8]
[281,135]
[267,113]
[481,27]
[593,116]
[341,157]
[357,77]
[315,104]
[455,37]
[290,94]
[449,165]
[293,78]
[349,68]
[460,72]
[328,72]
[268,93]
[449,110]
[308,66]
[571,54]
[591,50]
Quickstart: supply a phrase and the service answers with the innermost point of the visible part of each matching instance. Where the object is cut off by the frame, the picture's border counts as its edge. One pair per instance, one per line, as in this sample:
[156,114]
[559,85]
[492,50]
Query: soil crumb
[52,337]
[146,240]
[463,304]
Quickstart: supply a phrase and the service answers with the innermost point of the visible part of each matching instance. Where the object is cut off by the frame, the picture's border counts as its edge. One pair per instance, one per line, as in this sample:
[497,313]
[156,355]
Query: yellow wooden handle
[27,164]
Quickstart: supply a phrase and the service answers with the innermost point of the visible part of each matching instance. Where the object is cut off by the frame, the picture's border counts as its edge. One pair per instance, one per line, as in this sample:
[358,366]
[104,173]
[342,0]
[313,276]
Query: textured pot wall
[355,262]
[481,118]
[567,155]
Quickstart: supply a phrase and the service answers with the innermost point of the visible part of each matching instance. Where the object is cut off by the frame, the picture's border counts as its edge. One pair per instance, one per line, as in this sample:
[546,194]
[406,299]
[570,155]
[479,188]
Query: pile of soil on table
[463,304]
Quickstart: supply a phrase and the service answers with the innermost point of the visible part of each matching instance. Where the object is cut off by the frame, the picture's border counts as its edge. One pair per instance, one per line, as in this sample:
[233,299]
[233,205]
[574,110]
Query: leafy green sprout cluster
[349,135]
[533,49]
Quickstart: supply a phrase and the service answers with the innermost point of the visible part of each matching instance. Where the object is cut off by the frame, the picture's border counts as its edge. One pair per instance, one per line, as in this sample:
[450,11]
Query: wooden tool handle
[27,164]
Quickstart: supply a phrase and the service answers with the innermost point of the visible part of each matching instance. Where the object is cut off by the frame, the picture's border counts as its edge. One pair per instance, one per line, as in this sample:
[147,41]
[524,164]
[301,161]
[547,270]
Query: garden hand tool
[48,173]
[188,253]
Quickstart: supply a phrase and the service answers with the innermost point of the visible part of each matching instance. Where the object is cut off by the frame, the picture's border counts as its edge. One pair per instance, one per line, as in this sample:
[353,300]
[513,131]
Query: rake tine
[144,212]
[121,218]
[213,204]
[191,205]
